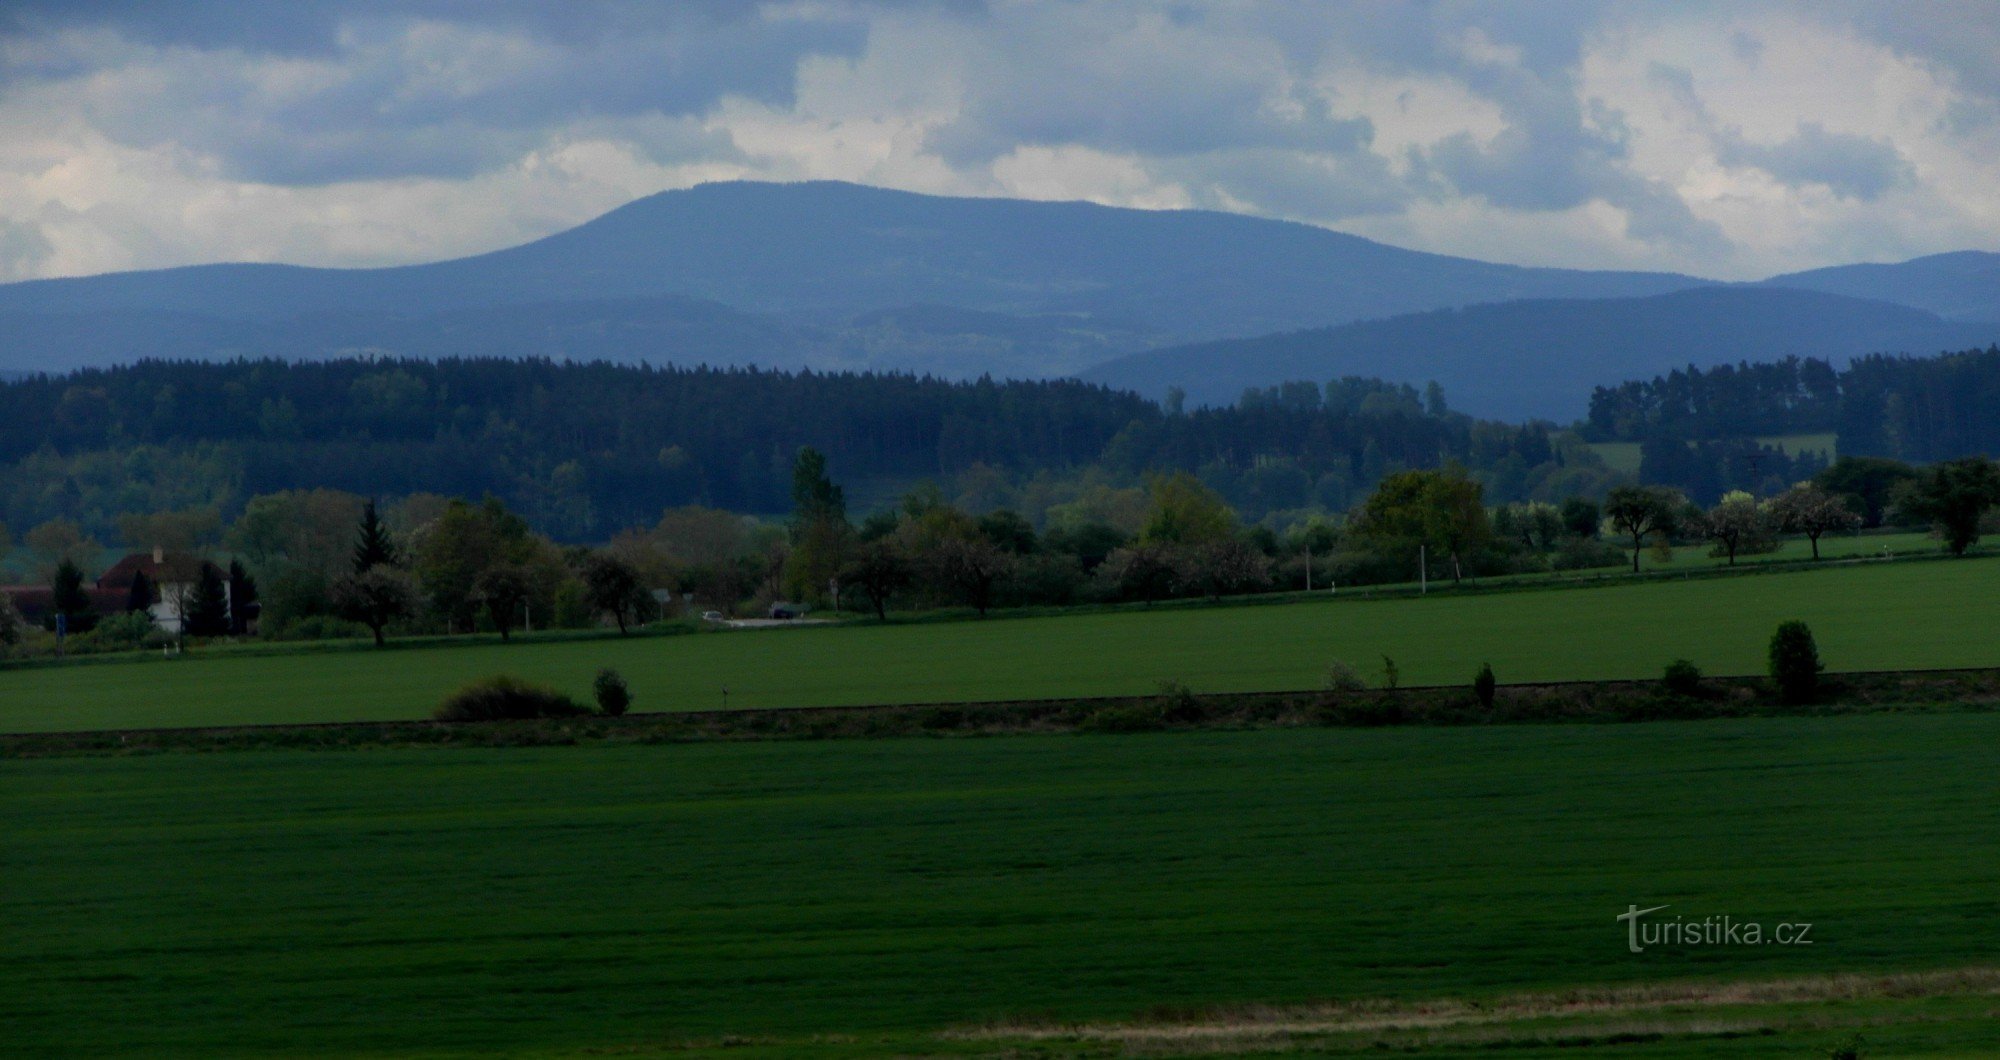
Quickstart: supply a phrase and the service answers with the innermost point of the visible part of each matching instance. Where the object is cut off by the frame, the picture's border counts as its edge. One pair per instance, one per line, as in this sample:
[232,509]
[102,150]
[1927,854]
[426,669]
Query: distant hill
[1960,286]
[1542,357]
[988,285]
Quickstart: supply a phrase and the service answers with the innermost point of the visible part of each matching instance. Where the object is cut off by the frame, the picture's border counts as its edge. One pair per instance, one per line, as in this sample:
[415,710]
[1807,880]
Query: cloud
[1857,167]
[1732,140]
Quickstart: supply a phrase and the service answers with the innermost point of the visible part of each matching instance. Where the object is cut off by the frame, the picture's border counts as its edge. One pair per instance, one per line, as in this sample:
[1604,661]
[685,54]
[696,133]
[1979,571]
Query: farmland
[1872,616]
[572,899]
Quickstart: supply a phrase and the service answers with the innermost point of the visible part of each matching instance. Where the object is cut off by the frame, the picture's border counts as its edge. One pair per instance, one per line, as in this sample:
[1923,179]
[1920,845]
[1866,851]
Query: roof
[120,575]
[34,601]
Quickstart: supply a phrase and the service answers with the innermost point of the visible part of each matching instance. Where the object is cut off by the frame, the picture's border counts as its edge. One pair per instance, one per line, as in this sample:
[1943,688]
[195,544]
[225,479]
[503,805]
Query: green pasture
[1891,615]
[857,896]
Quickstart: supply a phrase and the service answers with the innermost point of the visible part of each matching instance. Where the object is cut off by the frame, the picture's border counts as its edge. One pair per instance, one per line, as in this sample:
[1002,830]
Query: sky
[1733,140]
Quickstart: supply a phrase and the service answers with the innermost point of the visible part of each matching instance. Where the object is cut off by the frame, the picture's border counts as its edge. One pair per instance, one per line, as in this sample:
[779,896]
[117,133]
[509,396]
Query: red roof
[34,601]
[119,577]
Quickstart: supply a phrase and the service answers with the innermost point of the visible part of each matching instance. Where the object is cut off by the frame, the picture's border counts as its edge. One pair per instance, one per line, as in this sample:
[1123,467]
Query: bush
[1583,553]
[128,631]
[502,697]
[1125,717]
[1795,664]
[1392,675]
[613,695]
[1682,678]
[1484,685]
[1178,703]
[1341,677]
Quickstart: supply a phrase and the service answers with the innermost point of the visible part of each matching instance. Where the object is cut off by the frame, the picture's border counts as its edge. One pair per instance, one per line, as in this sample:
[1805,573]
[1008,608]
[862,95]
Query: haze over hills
[840,276]
[1960,286]
[1541,357]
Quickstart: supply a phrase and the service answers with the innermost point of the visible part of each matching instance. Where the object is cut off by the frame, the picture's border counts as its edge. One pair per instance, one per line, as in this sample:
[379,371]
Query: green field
[1875,616]
[567,899]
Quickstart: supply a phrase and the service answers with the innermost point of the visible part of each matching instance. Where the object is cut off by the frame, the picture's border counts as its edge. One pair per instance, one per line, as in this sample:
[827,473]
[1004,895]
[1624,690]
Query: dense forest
[1910,408]
[583,450]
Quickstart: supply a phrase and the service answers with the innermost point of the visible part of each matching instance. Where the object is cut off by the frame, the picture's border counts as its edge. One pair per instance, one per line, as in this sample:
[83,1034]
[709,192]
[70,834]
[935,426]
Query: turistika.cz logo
[1708,931]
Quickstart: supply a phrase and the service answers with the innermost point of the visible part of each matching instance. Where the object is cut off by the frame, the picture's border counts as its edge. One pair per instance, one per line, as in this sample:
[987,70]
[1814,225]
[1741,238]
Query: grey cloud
[23,248]
[396,108]
[1856,167]
[1292,184]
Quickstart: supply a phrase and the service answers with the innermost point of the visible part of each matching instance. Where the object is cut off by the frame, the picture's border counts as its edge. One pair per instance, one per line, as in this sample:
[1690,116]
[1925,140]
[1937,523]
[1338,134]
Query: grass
[910,896]
[1872,616]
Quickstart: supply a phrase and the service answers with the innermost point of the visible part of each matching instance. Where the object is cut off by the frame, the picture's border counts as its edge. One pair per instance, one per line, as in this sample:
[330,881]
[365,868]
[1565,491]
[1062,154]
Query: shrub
[1392,675]
[1682,678]
[1125,717]
[1795,664]
[613,695]
[1483,685]
[1178,703]
[1341,677]
[503,697]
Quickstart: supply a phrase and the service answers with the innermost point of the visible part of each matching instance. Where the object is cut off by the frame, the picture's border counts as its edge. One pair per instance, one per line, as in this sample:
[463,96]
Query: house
[170,577]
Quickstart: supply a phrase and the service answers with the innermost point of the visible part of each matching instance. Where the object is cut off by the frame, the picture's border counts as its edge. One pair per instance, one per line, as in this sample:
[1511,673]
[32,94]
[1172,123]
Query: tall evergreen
[208,606]
[140,597]
[242,598]
[374,547]
[70,600]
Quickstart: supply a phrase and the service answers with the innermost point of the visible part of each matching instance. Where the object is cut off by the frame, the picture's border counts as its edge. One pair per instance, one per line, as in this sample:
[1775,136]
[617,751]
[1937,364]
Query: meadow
[867,897]
[1889,615]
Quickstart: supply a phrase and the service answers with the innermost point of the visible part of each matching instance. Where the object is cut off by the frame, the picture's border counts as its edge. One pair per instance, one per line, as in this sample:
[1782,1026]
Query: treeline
[583,450]
[1918,409]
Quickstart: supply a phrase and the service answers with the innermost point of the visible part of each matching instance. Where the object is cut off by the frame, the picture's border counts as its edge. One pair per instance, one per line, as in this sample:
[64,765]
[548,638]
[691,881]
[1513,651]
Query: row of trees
[581,450]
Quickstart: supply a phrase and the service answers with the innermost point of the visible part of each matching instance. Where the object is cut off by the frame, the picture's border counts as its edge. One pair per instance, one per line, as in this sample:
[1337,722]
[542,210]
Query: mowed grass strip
[563,898]
[1891,615]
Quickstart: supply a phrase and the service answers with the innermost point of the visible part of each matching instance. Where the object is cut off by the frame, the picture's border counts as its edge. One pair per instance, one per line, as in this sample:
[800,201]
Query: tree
[69,598]
[1952,496]
[243,605]
[59,541]
[141,596]
[12,625]
[1220,567]
[1869,481]
[612,586]
[1484,685]
[466,541]
[1809,510]
[1642,512]
[1795,665]
[1142,572]
[1185,512]
[1737,524]
[819,529]
[178,531]
[613,695]
[503,589]
[1581,516]
[969,569]
[373,546]
[1007,529]
[880,570]
[375,598]
[1441,511]
[207,613]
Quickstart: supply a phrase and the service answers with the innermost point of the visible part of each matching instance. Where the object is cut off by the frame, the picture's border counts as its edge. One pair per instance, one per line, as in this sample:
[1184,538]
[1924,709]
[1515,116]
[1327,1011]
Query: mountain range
[841,276]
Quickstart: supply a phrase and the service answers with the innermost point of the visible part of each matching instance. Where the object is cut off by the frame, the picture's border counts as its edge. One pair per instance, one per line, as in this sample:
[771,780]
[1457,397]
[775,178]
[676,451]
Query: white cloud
[1730,140]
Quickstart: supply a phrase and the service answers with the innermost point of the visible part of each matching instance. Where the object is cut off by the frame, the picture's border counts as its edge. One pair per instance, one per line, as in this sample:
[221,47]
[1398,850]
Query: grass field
[567,900]
[1875,616]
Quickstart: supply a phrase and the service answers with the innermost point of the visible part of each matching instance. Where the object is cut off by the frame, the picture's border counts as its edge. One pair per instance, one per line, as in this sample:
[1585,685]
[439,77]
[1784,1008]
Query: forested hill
[1539,358]
[586,449]
[1911,408]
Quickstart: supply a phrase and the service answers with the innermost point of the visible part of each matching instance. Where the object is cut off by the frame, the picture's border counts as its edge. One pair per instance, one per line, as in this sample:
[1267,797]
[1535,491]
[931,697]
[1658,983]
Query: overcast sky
[1727,139]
